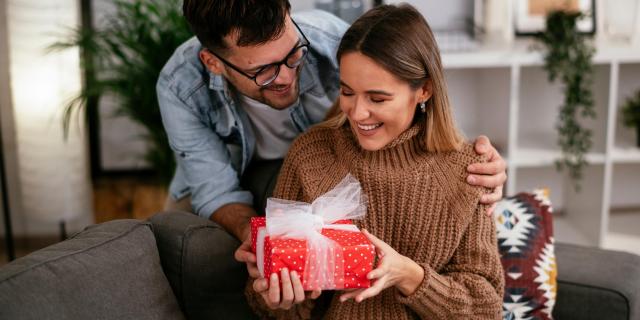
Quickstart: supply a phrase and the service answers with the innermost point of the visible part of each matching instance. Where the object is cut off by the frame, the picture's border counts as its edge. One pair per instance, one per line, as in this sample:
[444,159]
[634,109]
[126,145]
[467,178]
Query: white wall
[8,144]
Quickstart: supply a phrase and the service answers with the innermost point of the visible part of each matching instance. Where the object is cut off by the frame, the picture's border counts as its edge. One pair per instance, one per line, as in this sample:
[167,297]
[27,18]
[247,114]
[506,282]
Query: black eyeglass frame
[278,64]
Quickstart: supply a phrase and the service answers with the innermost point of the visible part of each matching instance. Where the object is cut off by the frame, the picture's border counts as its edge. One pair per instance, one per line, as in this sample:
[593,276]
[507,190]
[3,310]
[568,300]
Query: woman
[395,133]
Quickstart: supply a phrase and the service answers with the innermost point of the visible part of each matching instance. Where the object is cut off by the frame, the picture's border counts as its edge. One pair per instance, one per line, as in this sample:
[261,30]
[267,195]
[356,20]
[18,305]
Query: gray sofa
[158,269]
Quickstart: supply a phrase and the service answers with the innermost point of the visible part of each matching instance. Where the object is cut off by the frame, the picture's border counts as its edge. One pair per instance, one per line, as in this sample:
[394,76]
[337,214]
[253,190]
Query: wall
[8,145]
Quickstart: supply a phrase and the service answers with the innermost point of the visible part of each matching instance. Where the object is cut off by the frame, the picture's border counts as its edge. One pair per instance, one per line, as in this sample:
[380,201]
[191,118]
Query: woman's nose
[360,111]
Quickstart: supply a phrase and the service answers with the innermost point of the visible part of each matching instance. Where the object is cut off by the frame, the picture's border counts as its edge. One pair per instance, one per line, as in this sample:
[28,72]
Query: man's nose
[285,76]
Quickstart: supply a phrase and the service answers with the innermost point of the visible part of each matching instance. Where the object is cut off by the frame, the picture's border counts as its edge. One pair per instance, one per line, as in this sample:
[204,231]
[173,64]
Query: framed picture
[530,15]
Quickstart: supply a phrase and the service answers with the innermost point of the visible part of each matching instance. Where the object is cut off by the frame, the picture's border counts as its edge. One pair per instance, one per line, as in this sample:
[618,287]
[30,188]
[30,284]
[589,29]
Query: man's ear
[211,62]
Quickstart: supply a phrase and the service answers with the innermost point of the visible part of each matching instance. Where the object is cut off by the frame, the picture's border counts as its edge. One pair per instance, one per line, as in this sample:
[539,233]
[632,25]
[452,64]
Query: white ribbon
[301,220]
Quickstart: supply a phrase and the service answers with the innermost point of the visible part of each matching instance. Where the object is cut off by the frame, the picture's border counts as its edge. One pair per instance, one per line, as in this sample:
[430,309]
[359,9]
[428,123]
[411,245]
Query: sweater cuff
[428,299]
[421,291]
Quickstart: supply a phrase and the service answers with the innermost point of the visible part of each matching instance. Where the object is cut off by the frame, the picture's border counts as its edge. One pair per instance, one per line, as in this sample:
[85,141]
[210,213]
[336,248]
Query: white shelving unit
[503,92]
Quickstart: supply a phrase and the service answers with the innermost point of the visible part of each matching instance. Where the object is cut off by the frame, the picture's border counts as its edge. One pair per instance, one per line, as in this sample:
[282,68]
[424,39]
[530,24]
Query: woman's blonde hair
[400,40]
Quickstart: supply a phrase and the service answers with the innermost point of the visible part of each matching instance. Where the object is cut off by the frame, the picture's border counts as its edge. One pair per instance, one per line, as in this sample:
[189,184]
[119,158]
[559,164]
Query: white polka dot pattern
[356,257]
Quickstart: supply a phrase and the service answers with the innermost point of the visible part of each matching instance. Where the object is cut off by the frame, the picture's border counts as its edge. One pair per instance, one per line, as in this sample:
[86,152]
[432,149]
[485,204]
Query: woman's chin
[369,145]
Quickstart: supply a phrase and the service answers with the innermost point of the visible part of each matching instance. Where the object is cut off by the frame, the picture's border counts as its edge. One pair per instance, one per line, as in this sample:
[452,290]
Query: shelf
[625,155]
[521,52]
[540,157]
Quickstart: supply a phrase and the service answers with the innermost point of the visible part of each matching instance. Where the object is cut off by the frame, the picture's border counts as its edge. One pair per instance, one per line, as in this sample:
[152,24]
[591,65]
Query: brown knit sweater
[419,204]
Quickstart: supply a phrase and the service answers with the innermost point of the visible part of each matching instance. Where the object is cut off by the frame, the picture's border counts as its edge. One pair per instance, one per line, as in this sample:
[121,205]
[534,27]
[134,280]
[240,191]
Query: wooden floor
[127,198]
[123,197]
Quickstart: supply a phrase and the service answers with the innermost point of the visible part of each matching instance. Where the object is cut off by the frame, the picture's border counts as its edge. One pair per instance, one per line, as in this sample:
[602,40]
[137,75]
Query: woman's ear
[426,91]
[211,62]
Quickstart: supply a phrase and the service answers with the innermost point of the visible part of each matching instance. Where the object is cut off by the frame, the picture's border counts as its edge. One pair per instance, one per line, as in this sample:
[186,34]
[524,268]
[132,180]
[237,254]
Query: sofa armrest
[596,284]
[197,258]
[108,271]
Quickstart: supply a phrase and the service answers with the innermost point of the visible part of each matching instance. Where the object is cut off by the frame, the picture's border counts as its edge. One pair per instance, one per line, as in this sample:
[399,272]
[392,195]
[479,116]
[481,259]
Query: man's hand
[491,174]
[244,254]
[291,293]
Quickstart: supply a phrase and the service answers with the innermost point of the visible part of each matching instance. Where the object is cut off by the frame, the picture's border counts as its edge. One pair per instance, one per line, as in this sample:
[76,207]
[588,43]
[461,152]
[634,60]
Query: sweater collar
[405,150]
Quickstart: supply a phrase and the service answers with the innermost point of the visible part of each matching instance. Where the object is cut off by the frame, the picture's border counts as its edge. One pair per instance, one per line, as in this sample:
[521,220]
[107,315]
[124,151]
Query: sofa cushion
[525,238]
[597,284]
[108,271]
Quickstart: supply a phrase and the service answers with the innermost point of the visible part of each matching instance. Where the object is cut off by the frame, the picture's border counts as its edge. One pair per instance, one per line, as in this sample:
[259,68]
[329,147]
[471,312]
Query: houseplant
[568,55]
[123,60]
[631,114]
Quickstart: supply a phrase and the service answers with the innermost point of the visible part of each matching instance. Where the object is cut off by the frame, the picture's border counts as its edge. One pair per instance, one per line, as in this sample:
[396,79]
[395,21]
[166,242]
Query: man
[238,95]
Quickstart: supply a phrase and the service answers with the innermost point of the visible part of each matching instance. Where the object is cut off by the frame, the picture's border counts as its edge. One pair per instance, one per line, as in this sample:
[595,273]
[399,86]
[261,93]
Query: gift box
[354,260]
[325,249]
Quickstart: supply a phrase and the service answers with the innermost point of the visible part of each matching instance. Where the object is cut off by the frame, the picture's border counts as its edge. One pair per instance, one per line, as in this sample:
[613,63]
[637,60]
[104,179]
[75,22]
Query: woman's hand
[244,254]
[292,291]
[393,269]
[491,174]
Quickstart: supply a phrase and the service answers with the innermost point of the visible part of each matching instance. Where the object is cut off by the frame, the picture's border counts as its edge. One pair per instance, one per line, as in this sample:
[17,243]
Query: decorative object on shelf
[631,114]
[621,19]
[568,55]
[124,59]
[457,26]
[530,15]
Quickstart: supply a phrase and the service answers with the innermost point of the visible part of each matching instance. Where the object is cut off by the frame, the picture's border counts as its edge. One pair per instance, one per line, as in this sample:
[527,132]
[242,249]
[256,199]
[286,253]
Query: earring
[423,107]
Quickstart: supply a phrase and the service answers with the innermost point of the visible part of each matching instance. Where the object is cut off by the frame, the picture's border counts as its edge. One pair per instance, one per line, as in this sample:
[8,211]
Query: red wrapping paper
[357,255]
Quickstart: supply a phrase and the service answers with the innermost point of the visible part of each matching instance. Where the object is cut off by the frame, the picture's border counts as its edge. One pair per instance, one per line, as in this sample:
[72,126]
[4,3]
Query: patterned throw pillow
[525,239]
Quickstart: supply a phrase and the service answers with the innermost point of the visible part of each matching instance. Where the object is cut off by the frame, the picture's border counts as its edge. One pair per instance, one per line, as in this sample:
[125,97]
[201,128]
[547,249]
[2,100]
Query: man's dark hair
[256,21]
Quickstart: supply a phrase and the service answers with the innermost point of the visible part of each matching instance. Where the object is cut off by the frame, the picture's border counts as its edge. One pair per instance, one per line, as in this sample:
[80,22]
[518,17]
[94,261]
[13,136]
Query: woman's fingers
[287,290]
[350,294]
[260,285]
[314,294]
[383,246]
[274,290]
[376,273]
[298,291]
[372,291]
[360,294]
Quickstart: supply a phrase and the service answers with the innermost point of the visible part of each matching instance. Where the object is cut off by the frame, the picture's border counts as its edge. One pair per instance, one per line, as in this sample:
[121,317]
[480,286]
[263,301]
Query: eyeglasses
[268,73]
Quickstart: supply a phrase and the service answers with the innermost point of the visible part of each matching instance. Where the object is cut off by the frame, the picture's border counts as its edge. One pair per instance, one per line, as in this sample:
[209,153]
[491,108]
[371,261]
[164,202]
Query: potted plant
[631,114]
[568,55]
[123,59]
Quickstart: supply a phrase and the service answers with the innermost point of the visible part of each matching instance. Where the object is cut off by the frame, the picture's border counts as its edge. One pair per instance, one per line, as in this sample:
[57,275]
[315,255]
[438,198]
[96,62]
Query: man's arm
[235,218]
[203,155]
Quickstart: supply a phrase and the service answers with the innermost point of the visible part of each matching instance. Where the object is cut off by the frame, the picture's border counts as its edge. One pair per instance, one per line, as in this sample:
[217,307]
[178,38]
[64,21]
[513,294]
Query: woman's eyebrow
[380,92]
[342,83]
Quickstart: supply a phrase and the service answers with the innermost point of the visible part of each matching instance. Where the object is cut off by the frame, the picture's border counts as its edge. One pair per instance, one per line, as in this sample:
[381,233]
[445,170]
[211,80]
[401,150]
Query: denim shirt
[209,132]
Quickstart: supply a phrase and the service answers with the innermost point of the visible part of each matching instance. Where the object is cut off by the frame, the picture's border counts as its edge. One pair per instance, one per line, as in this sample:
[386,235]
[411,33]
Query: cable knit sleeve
[471,285]
[287,187]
